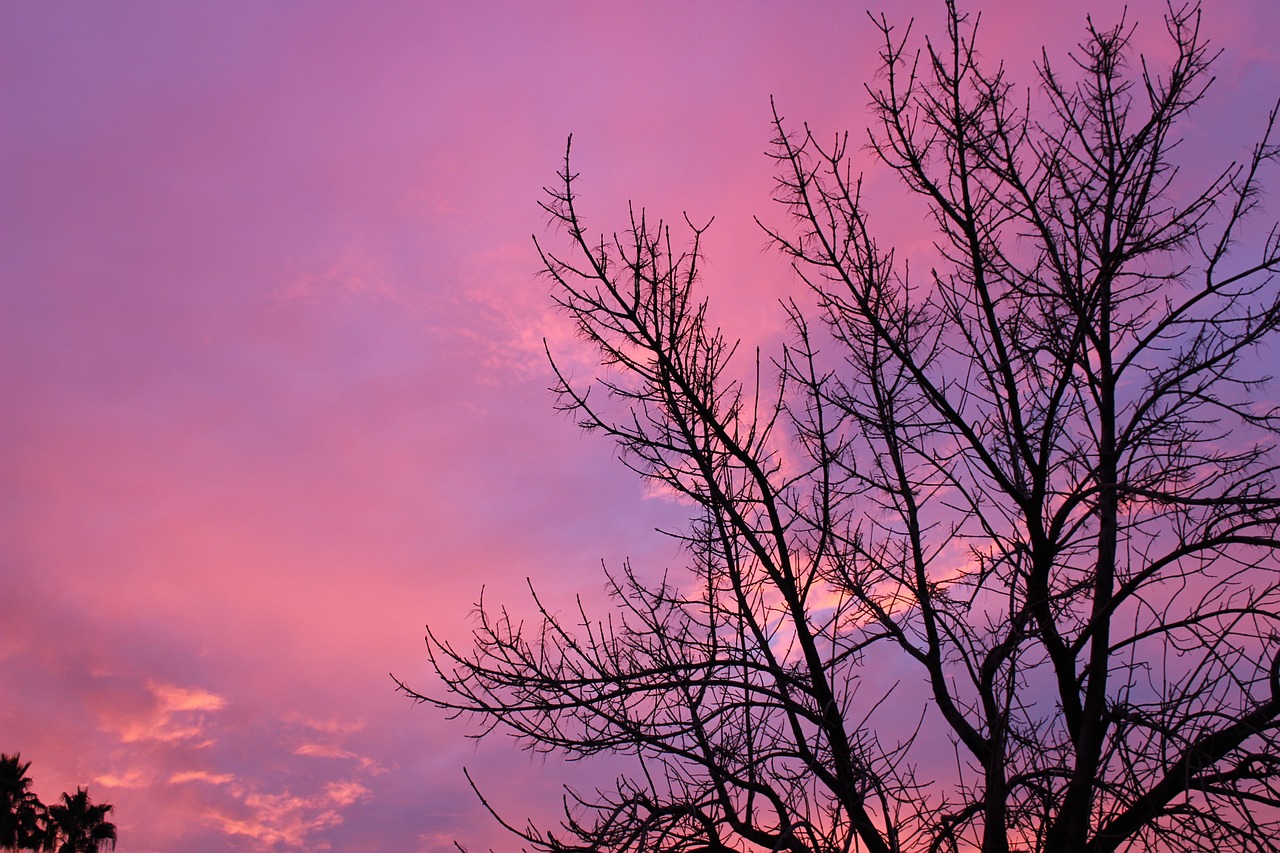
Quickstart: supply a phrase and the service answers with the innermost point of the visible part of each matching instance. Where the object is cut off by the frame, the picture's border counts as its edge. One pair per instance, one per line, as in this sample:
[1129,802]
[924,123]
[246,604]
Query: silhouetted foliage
[73,825]
[1037,478]
[77,825]
[21,812]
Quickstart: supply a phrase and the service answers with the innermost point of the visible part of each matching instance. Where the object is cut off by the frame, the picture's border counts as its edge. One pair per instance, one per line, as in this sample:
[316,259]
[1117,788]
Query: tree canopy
[73,825]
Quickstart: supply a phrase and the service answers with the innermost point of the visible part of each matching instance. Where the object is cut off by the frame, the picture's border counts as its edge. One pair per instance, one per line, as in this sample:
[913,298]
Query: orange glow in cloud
[177,715]
[201,776]
[272,376]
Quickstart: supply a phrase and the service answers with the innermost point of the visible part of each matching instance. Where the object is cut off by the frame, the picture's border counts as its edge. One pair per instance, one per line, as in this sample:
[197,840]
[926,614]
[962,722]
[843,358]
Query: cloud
[175,698]
[498,286]
[201,776]
[177,715]
[331,726]
[346,793]
[328,746]
[132,778]
[359,268]
[319,750]
[191,748]
[290,820]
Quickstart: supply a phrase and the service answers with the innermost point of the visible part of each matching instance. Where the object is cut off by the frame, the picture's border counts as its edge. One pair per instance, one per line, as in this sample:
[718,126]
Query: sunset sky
[272,383]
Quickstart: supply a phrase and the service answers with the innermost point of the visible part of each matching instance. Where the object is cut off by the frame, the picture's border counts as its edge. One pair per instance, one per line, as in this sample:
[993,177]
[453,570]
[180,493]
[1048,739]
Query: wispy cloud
[131,778]
[173,698]
[201,776]
[176,714]
[329,725]
[345,793]
[360,267]
[321,750]
[272,819]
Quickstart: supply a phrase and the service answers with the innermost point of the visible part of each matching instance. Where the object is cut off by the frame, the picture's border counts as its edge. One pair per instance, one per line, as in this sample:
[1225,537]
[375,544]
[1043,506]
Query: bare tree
[1037,480]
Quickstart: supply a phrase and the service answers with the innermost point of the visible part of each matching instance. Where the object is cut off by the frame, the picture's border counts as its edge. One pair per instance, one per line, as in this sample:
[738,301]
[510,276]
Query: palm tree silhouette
[20,810]
[78,826]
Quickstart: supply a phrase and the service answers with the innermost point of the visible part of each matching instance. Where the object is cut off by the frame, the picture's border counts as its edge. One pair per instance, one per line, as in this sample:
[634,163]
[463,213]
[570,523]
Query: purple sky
[272,390]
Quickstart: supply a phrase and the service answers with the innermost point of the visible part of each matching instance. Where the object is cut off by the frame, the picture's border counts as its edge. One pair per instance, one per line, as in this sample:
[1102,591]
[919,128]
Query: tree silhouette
[21,812]
[1033,486]
[77,825]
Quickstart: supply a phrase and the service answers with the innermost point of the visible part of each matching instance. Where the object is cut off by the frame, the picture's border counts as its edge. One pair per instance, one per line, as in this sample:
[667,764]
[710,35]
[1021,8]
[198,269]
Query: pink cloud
[201,776]
[321,750]
[330,726]
[176,715]
[284,819]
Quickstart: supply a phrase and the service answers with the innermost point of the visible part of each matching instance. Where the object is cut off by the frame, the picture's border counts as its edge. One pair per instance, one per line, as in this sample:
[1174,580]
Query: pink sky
[272,394]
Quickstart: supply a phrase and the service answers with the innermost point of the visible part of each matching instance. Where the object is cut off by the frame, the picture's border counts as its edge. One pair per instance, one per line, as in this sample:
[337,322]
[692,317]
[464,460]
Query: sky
[273,394]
